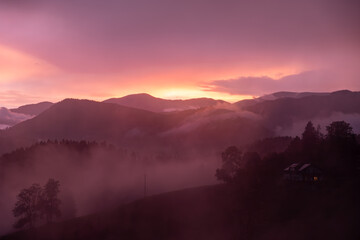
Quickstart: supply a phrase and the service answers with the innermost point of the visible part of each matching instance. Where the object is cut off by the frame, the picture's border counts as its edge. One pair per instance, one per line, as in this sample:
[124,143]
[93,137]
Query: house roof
[306,165]
[294,165]
[299,167]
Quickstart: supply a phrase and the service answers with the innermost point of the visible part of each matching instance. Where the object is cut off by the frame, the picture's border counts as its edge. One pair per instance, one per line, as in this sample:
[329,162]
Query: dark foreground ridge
[186,214]
[213,212]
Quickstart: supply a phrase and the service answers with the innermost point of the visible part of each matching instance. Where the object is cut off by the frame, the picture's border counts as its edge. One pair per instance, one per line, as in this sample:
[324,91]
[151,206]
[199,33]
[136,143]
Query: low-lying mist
[95,177]
[297,126]
[169,151]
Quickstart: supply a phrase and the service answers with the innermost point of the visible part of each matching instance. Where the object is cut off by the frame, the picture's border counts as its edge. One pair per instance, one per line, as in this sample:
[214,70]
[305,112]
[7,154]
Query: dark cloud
[316,81]
[94,36]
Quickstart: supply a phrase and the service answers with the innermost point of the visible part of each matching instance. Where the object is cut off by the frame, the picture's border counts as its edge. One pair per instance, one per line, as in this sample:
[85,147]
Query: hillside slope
[88,120]
[133,128]
[185,214]
[33,109]
[212,212]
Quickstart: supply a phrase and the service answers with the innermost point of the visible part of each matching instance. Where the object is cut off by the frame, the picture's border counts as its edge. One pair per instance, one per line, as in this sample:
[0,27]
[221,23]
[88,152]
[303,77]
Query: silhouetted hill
[150,103]
[214,127]
[33,109]
[284,111]
[199,213]
[213,212]
[129,127]
[277,95]
[89,120]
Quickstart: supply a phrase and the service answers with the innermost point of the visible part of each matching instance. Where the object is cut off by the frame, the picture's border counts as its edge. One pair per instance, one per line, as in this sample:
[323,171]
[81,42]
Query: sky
[224,49]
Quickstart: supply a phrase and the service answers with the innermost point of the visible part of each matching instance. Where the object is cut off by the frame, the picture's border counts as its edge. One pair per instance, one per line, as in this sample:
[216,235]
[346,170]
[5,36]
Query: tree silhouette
[35,202]
[311,139]
[231,164]
[310,135]
[295,146]
[339,131]
[27,207]
[341,138]
[342,144]
[50,202]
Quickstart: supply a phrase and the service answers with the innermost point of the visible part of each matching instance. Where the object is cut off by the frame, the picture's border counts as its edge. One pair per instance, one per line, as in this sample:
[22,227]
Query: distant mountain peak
[139,95]
[340,92]
[73,100]
[150,103]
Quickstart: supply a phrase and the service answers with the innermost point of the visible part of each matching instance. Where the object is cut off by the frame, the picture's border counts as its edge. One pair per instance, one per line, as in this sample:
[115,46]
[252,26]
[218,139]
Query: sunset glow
[188,119]
[54,50]
[15,65]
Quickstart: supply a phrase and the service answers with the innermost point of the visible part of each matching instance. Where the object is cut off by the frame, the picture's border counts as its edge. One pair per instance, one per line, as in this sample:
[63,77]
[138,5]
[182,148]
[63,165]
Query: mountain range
[206,123]
[131,127]
[140,101]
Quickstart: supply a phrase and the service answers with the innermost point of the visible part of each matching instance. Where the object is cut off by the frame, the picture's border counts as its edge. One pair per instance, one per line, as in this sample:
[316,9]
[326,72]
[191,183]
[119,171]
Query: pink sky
[50,49]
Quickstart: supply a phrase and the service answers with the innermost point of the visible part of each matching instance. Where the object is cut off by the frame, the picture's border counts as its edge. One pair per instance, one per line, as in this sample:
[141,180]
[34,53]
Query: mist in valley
[96,177]
[118,157]
[297,127]
[112,162]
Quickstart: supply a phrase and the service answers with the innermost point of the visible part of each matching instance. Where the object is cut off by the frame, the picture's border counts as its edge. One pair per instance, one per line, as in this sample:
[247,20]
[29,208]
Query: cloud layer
[309,81]
[8,118]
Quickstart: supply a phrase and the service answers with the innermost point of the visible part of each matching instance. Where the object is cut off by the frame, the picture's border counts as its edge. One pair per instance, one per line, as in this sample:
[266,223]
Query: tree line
[337,153]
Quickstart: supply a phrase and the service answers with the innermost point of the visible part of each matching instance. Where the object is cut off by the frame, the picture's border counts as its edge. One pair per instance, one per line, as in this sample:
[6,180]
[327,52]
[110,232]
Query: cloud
[87,46]
[13,98]
[4,126]
[16,65]
[120,35]
[213,114]
[8,118]
[308,81]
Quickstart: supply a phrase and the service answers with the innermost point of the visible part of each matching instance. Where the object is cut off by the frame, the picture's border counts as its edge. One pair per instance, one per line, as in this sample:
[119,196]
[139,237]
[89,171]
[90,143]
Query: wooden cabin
[306,172]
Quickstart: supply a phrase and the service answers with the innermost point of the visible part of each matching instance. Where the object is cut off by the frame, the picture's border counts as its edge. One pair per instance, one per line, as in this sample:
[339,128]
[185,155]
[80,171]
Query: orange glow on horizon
[28,75]
[183,93]
[15,65]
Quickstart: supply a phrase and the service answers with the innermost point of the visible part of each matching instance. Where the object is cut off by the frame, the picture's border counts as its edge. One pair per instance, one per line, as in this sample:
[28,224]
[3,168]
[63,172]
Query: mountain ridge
[96,121]
[148,102]
[33,109]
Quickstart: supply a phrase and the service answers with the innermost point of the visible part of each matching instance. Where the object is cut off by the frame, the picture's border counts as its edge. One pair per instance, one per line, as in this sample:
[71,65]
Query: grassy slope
[199,213]
[290,212]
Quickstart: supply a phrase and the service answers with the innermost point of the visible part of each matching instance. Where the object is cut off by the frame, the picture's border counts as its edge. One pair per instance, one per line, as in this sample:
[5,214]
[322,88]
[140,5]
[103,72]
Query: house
[306,172]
